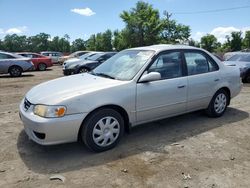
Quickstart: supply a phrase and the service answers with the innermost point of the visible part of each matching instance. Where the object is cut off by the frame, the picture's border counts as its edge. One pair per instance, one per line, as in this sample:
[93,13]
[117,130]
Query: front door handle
[216,80]
[181,86]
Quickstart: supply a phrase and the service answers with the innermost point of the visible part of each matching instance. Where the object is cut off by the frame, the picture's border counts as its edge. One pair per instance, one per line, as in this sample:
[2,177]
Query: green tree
[15,43]
[121,40]
[54,44]
[236,41]
[64,44]
[107,41]
[247,40]
[209,42]
[143,25]
[1,45]
[77,45]
[39,42]
[91,43]
[174,32]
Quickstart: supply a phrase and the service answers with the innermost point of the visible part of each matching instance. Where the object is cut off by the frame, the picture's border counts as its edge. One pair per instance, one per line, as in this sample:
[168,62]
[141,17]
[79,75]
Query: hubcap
[220,103]
[15,71]
[42,67]
[106,131]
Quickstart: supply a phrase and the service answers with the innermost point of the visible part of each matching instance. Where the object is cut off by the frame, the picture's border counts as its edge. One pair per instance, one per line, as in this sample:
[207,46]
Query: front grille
[26,104]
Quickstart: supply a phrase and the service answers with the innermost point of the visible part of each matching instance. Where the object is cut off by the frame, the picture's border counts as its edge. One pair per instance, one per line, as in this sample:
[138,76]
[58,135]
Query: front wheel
[102,130]
[83,70]
[218,104]
[247,78]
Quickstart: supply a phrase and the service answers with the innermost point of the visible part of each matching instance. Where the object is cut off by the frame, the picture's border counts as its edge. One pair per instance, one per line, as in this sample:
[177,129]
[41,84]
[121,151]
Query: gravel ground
[191,150]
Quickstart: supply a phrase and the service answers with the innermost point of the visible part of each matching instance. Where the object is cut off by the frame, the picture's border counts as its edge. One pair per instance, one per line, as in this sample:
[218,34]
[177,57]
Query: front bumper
[69,71]
[50,131]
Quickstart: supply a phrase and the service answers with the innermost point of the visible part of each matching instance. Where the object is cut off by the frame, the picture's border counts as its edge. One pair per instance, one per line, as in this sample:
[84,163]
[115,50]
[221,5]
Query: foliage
[78,45]
[236,41]
[209,42]
[143,25]
[246,41]
[174,32]
[100,41]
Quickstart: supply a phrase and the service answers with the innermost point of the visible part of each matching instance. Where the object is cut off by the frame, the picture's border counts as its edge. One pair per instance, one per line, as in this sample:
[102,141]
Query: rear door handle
[181,86]
[216,80]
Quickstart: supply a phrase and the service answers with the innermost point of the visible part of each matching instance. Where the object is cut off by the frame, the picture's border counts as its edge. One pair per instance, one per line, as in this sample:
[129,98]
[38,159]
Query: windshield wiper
[104,75]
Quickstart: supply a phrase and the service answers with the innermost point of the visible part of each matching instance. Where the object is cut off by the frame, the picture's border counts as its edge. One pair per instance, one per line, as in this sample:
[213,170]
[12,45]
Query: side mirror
[152,76]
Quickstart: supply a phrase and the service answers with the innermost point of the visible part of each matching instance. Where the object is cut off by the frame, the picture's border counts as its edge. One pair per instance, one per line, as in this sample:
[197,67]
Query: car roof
[163,47]
[50,52]
[7,53]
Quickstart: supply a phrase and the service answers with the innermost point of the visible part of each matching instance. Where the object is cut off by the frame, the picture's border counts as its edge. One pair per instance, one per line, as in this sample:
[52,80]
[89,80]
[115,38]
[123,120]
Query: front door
[164,97]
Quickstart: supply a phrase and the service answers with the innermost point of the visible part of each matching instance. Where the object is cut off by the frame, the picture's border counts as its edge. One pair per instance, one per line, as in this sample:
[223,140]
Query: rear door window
[198,63]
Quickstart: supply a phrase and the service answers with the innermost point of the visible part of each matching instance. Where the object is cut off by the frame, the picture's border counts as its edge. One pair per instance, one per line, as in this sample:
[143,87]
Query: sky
[81,18]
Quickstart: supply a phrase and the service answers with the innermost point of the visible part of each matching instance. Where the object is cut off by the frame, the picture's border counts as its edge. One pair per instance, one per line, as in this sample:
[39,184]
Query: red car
[40,62]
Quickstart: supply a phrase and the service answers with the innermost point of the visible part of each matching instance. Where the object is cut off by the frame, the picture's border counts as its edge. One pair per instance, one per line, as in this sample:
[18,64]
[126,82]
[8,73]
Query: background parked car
[53,55]
[89,64]
[75,61]
[76,54]
[14,64]
[40,62]
[242,60]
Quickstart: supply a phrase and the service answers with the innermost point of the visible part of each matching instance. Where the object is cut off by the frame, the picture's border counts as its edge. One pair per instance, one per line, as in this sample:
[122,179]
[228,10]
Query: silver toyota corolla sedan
[133,87]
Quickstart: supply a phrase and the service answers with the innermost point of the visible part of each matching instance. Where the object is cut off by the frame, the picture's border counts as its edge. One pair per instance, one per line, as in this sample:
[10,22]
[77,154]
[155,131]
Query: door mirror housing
[152,76]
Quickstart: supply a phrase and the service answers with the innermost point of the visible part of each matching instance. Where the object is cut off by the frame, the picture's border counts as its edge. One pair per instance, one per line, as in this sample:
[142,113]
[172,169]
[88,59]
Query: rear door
[203,78]
[165,97]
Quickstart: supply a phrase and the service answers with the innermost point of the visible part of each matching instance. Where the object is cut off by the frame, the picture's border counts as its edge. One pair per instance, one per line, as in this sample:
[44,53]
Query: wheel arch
[117,108]
[14,66]
[227,90]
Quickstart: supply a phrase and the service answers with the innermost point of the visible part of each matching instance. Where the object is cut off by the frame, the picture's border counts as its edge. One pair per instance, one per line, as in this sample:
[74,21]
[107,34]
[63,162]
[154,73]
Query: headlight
[49,111]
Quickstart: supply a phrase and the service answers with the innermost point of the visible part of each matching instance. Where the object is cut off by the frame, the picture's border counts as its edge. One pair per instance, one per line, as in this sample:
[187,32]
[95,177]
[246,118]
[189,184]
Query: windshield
[84,56]
[240,57]
[95,57]
[73,54]
[124,65]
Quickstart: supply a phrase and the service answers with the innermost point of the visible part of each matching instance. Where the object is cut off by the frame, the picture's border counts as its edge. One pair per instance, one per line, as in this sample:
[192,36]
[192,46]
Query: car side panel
[4,66]
[161,98]
[201,88]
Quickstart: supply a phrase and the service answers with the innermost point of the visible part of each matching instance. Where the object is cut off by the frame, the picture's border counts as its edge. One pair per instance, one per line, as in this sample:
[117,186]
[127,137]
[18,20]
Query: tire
[42,66]
[15,71]
[83,70]
[100,128]
[247,78]
[218,104]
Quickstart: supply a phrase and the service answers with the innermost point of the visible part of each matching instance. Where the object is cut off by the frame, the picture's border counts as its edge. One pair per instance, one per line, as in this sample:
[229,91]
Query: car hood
[72,60]
[86,62]
[240,64]
[56,91]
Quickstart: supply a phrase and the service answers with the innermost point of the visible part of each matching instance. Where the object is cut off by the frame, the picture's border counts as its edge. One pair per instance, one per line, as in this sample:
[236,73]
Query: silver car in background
[133,87]
[14,64]
[242,60]
[55,56]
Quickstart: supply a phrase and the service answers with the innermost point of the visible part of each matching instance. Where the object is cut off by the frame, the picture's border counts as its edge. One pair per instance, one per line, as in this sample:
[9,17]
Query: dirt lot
[186,151]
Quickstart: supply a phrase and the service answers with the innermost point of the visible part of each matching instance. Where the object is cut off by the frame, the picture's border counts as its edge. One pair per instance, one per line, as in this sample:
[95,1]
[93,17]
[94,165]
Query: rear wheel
[218,104]
[102,130]
[15,71]
[42,67]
